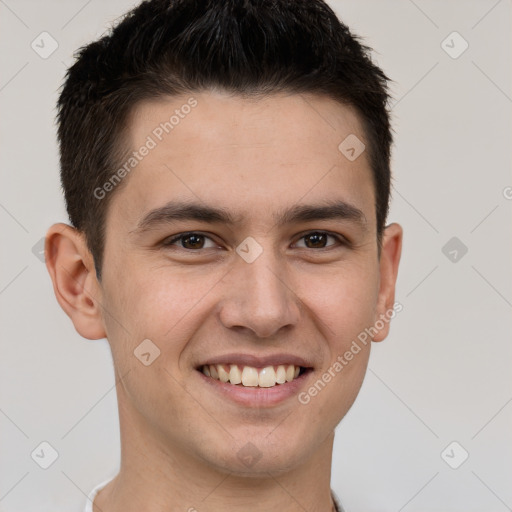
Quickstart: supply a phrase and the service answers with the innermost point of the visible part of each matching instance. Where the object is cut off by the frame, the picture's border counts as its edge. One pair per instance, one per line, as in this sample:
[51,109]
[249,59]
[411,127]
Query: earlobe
[389,262]
[71,268]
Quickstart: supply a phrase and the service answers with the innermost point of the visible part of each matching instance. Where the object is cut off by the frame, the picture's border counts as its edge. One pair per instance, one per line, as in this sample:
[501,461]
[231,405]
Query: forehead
[249,156]
[217,118]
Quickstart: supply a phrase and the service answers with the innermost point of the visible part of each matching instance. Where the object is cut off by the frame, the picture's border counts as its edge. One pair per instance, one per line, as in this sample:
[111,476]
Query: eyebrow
[178,211]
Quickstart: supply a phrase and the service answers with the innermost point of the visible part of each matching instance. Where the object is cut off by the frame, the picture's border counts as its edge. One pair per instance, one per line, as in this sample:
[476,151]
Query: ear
[388,265]
[71,267]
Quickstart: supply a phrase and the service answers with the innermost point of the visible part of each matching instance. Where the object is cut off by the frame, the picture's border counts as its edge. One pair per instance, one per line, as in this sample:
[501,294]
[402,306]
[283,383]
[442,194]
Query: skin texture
[179,438]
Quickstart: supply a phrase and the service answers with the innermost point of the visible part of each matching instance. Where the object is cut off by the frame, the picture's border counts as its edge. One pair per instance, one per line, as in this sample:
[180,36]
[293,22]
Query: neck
[159,476]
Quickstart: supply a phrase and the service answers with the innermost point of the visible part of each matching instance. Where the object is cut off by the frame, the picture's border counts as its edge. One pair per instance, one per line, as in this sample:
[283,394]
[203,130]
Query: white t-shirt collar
[97,489]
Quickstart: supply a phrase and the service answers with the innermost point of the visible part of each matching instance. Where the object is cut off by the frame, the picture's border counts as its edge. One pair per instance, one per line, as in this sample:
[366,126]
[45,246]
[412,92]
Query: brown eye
[189,241]
[318,240]
[192,241]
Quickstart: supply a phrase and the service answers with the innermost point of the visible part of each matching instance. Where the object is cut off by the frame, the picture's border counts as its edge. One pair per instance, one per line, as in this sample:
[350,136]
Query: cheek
[345,302]
[159,304]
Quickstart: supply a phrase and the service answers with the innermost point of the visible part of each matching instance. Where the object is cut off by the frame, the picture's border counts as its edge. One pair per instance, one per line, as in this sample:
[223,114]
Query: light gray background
[442,375]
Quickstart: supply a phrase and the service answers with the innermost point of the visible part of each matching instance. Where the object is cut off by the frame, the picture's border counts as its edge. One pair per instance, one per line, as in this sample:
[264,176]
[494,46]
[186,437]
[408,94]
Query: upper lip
[258,361]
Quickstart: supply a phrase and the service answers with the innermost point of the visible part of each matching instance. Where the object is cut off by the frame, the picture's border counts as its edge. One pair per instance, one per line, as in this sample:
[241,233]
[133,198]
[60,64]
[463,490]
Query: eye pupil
[191,237]
[316,237]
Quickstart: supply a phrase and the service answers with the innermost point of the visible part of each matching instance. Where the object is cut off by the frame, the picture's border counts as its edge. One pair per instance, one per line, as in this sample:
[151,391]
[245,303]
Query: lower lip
[256,396]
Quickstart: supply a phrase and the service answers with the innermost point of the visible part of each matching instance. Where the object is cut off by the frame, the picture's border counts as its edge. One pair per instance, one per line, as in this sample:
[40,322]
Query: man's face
[263,286]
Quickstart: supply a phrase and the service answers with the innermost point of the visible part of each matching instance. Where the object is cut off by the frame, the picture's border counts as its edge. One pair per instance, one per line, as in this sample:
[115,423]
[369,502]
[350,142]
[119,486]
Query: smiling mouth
[249,376]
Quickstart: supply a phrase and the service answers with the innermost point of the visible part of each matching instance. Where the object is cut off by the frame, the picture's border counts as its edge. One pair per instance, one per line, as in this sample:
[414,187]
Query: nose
[260,297]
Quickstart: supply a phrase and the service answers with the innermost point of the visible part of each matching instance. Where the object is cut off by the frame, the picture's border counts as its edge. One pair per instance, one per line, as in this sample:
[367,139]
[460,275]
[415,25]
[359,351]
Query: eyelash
[340,239]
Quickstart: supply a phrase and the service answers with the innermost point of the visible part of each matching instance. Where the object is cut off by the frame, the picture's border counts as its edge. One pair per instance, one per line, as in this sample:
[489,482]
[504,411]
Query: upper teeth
[250,376]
